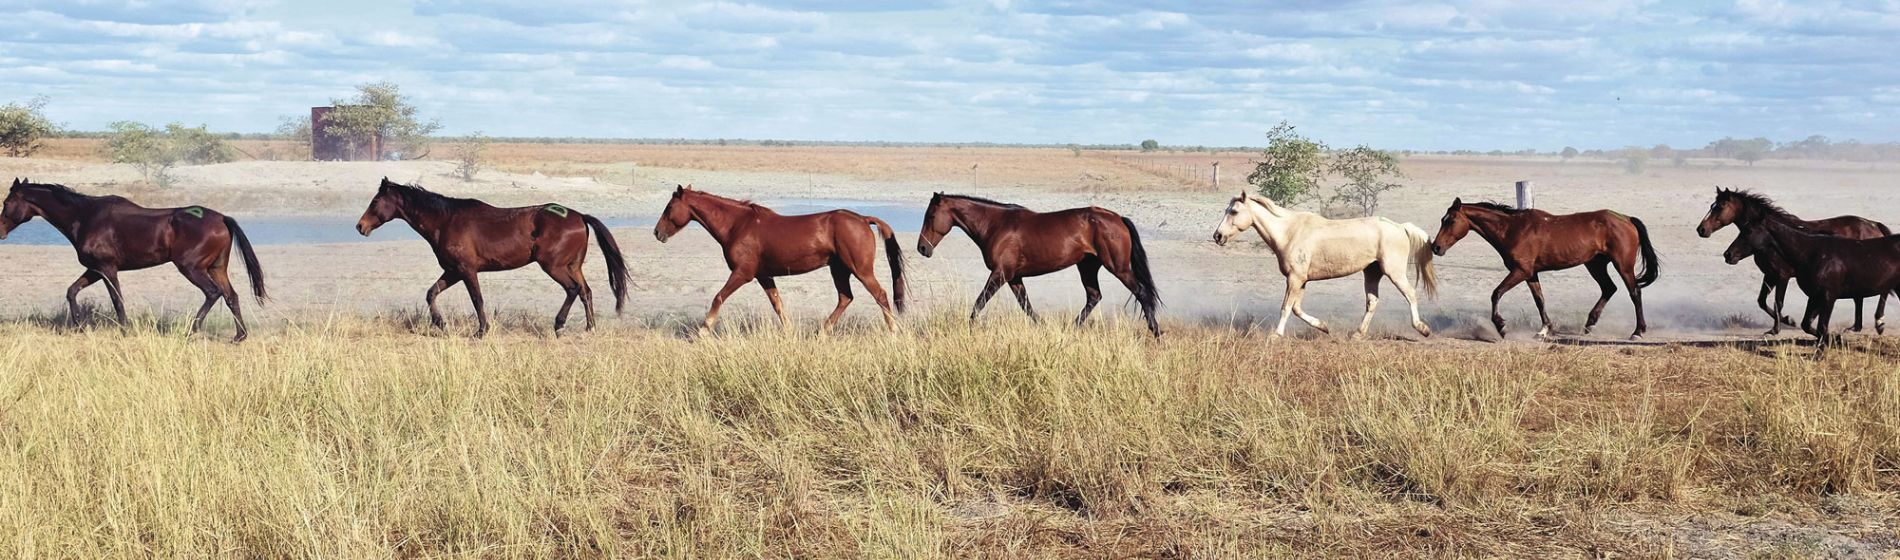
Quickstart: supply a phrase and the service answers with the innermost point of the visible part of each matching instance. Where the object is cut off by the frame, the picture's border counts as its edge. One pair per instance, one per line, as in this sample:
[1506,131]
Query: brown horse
[762,245]
[1018,242]
[113,234]
[1747,210]
[1533,241]
[469,236]
[1829,268]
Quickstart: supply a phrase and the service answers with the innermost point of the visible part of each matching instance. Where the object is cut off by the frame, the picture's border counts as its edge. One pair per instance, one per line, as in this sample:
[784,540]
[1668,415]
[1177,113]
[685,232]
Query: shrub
[23,127]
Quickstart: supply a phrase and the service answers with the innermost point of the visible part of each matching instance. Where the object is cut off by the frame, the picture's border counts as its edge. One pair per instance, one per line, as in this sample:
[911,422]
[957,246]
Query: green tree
[469,155]
[1150,145]
[1569,153]
[1368,173]
[24,127]
[380,110]
[1290,168]
[154,151]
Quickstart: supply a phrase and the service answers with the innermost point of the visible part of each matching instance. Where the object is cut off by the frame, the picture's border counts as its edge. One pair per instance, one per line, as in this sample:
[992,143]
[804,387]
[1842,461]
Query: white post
[1217,176]
[1524,197]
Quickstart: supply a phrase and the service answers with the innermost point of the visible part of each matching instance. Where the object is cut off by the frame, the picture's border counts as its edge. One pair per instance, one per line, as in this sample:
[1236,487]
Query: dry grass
[351,437]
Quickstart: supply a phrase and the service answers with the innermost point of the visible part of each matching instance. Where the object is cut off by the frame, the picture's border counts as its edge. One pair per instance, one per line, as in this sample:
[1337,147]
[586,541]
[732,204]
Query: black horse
[1828,268]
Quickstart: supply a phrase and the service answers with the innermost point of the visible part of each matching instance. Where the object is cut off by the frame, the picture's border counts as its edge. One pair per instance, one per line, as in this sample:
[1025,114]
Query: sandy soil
[1698,295]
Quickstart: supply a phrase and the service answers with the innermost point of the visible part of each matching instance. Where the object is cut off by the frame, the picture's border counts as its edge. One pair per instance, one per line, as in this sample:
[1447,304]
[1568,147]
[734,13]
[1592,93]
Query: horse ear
[1456,202]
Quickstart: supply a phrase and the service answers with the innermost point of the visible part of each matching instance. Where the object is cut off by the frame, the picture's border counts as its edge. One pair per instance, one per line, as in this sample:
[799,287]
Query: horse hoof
[1635,337]
[1423,330]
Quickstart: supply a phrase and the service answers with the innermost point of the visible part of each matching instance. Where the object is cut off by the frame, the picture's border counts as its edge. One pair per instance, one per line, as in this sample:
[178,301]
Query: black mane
[1756,201]
[426,200]
[982,200]
[1494,206]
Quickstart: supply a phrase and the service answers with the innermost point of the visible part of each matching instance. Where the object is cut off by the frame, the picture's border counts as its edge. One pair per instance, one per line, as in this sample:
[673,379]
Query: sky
[1483,74]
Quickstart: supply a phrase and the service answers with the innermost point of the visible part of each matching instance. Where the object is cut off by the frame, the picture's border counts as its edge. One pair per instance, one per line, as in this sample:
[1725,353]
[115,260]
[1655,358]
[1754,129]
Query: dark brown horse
[1018,243]
[113,234]
[1829,268]
[469,236]
[762,245]
[1747,210]
[1533,241]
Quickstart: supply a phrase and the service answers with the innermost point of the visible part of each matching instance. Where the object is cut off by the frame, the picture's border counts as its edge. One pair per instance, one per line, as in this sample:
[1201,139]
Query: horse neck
[65,213]
[977,220]
[1491,224]
[428,220]
[1272,228]
[1791,245]
[1753,215]
[718,215]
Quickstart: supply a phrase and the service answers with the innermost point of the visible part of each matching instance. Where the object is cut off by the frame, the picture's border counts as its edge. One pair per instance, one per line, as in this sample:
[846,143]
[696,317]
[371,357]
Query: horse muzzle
[1703,231]
[1438,250]
[925,249]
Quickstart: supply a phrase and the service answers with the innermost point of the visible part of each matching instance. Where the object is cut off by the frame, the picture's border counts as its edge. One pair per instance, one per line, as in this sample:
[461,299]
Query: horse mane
[746,203]
[58,190]
[427,200]
[1758,201]
[981,200]
[1495,207]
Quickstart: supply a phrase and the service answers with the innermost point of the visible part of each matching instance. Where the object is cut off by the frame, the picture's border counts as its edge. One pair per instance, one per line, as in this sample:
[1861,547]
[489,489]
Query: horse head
[1236,219]
[1722,212]
[1451,228]
[937,222]
[17,209]
[677,214]
[1744,245]
[386,206]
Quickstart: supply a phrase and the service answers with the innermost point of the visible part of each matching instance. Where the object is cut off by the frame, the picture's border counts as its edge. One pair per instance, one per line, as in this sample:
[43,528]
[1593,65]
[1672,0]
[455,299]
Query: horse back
[1852,227]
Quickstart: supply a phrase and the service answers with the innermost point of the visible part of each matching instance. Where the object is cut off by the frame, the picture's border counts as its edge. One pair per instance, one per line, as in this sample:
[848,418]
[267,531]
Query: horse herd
[1843,257]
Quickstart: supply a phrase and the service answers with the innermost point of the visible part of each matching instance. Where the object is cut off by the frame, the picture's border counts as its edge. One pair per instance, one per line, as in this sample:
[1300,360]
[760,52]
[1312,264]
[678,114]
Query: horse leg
[738,278]
[1091,285]
[1600,270]
[474,286]
[1636,297]
[202,279]
[587,293]
[1373,273]
[1404,285]
[1510,281]
[1127,276]
[1022,298]
[448,279]
[1781,297]
[111,276]
[990,286]
[1537,295]
[866,276]
[1300,310]
[1293,288]
[841,277]
[778,306]
[1774,311]
[223,279]
[72,294]
[563,277]
[1880,315]
[1857,314]
[1824,314]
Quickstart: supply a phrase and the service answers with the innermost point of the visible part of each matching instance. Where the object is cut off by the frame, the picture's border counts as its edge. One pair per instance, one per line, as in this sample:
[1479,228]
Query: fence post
[1524,196]
[1217,176]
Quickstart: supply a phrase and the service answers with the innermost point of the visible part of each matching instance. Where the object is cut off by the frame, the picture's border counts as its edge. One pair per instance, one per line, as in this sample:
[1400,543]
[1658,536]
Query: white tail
[1422,259]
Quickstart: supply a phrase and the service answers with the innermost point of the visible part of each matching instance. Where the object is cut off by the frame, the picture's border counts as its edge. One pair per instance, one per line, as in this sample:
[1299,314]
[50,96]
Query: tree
[294,129]
[1569,153]
[24,127]
[1635,160]
[1291,166]
[469,158]
[379,110]
[1368,174]
[155,151]
[1150,145]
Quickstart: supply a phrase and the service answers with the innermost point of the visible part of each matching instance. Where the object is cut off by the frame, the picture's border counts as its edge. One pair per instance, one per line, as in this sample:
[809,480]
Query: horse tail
[1145,291]
[1422,259]
[251,267]
[896,254]
[1651,266]
[616,262]
[1883,228]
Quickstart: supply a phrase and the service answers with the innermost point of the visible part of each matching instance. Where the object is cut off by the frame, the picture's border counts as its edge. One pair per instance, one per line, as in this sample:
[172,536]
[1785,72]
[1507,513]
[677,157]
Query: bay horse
[762,245]
[1018,243]
[1532,241]
[469,236]
[1829,268]
[1311,247]
[111,234]
[1748,210]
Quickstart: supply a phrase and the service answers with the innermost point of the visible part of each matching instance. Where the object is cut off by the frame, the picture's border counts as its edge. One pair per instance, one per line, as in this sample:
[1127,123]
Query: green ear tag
[557,209]
[196,211]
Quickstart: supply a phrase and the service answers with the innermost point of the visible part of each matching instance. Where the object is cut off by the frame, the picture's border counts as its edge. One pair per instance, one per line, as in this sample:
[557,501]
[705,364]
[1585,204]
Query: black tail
[616,262]
[251,266]
[1883,229]
[896,255]
[1651,267]
[1145,291]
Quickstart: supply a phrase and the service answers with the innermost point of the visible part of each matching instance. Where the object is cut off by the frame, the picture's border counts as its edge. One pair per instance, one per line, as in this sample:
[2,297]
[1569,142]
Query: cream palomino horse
[1311,247]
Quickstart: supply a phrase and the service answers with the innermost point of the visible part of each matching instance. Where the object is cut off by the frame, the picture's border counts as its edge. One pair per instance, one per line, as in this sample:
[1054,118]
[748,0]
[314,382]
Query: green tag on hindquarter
[196,211]
[557,209]
[1620,215]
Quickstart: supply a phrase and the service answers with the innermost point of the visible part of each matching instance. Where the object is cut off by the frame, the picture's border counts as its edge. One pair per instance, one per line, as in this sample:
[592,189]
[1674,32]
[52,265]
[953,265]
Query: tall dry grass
[351,437]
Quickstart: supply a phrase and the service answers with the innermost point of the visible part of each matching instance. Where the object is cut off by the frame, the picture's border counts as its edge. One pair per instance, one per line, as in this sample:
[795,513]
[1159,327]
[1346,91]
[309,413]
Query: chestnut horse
[1018,242]
[113,234]
[469,236]
[1533,241]
[1829,268]
[1747,210]
[762,245]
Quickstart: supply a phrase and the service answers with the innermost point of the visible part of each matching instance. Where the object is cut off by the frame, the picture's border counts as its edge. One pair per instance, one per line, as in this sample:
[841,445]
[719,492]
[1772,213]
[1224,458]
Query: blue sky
[1487,74]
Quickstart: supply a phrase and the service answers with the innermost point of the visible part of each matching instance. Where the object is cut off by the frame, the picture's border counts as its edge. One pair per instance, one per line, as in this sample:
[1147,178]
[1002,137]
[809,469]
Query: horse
[1533,241]
[1747,210]
[1829,268]
[1018,243]
[762,245]
[112,234]
[469,236]
[1310,247]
